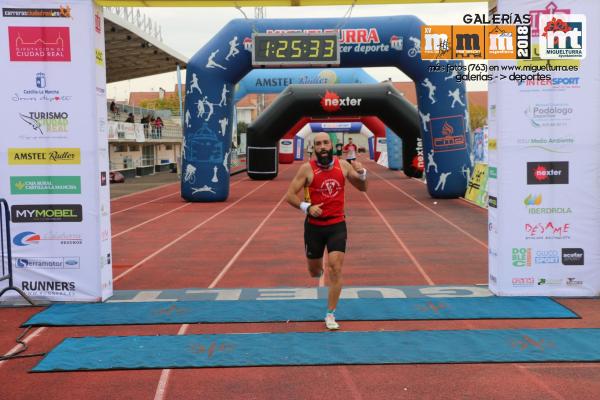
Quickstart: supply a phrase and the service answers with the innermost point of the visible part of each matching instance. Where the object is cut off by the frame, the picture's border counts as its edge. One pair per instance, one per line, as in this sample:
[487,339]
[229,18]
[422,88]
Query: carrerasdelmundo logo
[46,213]
[43,156]
[61,12]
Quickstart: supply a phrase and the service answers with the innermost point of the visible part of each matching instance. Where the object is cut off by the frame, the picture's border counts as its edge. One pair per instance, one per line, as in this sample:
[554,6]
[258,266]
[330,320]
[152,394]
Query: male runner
[350,149]
[323,180]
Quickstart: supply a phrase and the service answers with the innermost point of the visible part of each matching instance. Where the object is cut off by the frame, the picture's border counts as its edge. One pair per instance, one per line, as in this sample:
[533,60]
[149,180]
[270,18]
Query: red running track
[397,236]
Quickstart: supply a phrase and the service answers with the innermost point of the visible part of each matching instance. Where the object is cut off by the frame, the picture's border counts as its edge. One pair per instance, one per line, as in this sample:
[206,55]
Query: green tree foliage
[167,103]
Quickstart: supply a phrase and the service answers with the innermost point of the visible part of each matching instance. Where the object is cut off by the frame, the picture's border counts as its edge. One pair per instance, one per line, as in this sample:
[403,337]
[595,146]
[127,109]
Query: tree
[242,127]
[477,116]
[167,103]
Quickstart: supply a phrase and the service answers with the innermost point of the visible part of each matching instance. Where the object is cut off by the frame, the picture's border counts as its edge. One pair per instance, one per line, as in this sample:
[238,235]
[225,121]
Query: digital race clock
[295,49]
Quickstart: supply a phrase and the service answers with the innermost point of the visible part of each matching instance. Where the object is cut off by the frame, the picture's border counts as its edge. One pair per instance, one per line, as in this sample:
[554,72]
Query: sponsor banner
[477,188]
[545,152]
[381,144]
[43,156]
[286,146]
[45,185]
[54,149]
[126,130]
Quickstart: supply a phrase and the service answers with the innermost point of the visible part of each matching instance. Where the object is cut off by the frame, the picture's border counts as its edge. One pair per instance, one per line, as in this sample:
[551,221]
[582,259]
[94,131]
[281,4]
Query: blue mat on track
[191,312]
[323,348]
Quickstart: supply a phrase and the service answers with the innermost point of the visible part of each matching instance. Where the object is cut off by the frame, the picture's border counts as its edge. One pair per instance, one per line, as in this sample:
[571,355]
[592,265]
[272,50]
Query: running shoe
[330,322]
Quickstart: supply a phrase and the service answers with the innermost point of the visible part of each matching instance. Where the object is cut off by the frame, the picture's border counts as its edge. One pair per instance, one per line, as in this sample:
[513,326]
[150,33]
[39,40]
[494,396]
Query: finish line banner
[54,149]
[544,215]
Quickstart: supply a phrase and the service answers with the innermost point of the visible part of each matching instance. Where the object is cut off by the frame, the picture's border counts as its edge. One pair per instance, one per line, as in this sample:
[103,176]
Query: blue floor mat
[298,310]
[323,348]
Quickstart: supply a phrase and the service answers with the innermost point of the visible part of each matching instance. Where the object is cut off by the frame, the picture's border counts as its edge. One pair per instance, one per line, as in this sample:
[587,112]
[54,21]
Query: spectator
[130,118]
[153,126]
[158,124]
[145,120]
[114,109]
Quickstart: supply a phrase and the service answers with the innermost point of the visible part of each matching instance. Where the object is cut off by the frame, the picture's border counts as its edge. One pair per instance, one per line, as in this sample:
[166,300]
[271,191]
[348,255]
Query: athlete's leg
[315,267]
[314,246]
[336,248]
[334,271]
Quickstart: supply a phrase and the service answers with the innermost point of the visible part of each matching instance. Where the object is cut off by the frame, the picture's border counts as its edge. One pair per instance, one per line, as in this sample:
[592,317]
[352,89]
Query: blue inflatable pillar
[371,141]
[394,150]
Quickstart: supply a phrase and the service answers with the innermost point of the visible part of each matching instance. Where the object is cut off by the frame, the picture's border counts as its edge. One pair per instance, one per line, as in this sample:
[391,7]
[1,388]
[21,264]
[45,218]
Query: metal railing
[5,245]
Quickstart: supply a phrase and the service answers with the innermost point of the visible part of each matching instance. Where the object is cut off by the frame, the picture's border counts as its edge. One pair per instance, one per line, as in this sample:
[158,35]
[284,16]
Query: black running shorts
[316,237]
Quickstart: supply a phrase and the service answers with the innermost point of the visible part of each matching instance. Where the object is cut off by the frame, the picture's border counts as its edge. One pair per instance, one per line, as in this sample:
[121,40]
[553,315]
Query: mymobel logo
[572,257]
[47,156]
[562,36]
[46,213]
[39,43]
[331,101]
[548,173]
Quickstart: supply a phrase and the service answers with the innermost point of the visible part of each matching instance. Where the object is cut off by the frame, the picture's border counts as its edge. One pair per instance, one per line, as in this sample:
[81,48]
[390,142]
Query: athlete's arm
[297,184]
[352,173]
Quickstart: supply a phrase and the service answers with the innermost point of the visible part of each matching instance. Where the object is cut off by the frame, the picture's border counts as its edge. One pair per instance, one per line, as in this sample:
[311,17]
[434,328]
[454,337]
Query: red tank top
[327,187]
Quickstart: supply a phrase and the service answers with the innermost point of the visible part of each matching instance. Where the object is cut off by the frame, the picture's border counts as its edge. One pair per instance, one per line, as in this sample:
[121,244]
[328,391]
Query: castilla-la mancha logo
[39,43]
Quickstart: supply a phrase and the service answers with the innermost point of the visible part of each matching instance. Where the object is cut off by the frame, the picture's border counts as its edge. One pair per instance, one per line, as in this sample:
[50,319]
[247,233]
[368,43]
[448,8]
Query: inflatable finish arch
[275,81]
[373,124]
[364,42]
[297,101]
[332,127]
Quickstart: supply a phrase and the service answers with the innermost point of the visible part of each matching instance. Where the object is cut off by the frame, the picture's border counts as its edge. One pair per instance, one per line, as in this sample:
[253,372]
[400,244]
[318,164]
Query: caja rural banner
[544,216]
[54,149]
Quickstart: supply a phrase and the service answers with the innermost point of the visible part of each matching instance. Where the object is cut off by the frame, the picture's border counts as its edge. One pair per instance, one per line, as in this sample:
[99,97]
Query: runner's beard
[324,159]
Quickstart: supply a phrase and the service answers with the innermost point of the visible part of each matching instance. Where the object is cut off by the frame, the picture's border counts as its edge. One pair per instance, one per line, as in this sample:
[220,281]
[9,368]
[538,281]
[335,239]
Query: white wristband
[363,176]
[304,207]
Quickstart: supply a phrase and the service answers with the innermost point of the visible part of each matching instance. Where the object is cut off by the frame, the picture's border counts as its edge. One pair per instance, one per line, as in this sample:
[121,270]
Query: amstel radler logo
[43,156]
[475,42]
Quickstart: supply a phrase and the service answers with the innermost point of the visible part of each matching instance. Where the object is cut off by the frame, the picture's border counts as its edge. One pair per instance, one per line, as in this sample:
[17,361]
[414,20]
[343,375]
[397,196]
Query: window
[120,148]
[134,147]
[168,147]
